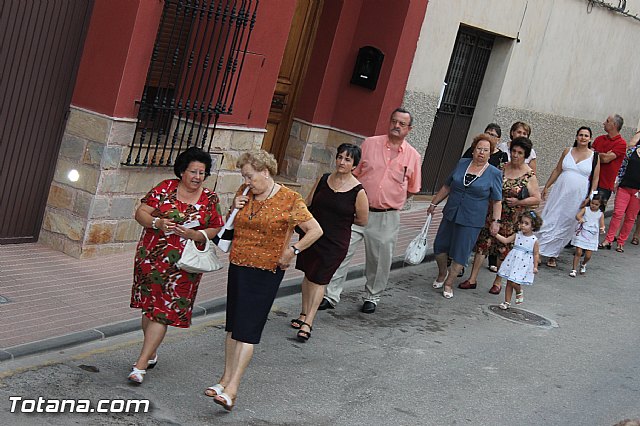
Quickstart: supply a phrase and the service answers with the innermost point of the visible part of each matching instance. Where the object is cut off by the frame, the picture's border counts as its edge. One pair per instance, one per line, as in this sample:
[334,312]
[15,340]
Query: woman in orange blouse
[260,253]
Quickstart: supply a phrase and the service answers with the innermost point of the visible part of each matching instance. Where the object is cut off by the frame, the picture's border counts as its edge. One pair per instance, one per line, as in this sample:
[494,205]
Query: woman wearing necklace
[337,202]
[519,192]
[470,188]
[260,253]
[173,212]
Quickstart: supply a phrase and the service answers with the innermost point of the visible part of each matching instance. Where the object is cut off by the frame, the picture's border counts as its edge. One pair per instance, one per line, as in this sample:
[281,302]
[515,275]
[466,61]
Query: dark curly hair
[187,157]
[536,220]
[524,143]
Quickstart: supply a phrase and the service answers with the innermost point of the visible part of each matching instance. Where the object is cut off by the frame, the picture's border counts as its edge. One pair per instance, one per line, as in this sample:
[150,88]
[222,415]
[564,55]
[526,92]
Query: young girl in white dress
[590,223]
[521,263]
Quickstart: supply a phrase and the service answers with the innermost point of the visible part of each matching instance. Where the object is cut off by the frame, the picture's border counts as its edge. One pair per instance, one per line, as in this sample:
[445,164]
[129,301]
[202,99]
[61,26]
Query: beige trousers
[380,237]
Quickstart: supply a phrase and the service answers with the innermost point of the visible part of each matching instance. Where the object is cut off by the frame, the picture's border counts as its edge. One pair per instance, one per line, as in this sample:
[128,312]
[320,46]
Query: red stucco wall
[328,98]
[116,56]
[118,50]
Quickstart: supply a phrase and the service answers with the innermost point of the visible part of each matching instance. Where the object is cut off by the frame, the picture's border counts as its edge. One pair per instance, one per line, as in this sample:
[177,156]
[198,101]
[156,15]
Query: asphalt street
[419,360]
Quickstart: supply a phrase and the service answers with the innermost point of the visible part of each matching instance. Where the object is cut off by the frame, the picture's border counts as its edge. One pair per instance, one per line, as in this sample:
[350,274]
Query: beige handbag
[196,261]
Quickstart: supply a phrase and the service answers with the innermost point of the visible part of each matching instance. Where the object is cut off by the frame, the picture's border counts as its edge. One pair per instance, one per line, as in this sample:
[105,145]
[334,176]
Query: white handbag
[417,249]
[225,235]
[196,261]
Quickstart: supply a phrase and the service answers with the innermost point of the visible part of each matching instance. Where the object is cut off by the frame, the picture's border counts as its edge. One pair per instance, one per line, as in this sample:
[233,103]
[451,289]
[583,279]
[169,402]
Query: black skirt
[250,295]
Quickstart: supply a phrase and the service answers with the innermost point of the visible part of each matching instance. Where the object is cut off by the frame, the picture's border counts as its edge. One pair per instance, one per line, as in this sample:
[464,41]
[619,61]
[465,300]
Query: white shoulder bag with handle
[196,261]
[417,249]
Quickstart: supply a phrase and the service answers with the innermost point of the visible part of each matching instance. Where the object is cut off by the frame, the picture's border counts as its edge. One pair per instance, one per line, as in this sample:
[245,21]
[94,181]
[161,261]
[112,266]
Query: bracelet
[153,223]
[432,204]
[497,220]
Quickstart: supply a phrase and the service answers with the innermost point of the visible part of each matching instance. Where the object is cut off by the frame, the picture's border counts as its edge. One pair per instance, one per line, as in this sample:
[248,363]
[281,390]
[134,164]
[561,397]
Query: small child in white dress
[590,223]
[521,263]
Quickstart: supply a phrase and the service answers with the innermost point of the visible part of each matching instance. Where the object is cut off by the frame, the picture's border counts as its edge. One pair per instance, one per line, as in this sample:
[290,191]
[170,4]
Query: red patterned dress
[165,293]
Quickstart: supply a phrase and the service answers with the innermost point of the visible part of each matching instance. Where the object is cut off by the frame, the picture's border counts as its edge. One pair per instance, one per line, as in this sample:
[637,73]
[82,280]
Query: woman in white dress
[568,190]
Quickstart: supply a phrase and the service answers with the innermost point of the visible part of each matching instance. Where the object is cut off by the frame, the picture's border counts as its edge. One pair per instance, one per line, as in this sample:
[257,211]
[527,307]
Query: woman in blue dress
[472,185]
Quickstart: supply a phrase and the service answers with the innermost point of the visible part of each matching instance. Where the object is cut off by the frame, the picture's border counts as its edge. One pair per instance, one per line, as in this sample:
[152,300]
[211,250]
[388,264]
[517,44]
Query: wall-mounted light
[73,175]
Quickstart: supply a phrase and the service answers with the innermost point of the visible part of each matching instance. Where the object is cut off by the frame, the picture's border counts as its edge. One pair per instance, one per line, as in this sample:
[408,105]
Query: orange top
[258,242]
[388,180]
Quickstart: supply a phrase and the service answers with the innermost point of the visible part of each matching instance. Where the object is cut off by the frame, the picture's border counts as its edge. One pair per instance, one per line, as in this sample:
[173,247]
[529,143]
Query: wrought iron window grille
[193,77]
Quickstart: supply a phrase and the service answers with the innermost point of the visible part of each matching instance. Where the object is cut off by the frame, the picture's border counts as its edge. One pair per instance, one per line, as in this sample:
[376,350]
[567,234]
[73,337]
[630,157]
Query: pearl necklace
[475,177]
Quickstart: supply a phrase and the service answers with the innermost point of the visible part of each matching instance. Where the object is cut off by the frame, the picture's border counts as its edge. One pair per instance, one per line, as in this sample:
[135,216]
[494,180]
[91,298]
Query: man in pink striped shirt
[389,171]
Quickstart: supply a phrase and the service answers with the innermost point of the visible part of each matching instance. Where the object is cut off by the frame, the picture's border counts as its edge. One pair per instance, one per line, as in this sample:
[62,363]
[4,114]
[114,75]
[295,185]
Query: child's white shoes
[573,273]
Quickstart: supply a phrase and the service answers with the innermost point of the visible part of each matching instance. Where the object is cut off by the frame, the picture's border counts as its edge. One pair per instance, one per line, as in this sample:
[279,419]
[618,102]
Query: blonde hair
[260,160]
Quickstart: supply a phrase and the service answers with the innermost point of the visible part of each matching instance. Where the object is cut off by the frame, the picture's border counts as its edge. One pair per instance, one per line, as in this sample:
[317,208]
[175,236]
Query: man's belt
[373,209]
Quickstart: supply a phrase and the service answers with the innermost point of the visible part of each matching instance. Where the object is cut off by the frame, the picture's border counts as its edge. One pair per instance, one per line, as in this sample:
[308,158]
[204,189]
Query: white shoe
[573,273]
[504,306]
[583,268]
[136,375]
[214,390]
[437,284]
[447,294]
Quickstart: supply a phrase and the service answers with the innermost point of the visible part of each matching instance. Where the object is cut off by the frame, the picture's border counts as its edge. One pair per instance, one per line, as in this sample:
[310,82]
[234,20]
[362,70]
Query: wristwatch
[296,250]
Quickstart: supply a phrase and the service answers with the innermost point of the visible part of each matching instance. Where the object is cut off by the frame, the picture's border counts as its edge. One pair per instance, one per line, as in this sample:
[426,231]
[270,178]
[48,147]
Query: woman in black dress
[337,201]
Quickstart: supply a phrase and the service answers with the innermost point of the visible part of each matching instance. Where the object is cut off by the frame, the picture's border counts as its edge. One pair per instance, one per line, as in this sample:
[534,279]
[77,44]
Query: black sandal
[302,335]
[297,323]
[604,246]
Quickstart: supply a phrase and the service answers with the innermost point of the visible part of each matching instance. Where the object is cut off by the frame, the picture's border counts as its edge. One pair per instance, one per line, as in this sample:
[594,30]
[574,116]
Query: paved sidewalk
[56,301]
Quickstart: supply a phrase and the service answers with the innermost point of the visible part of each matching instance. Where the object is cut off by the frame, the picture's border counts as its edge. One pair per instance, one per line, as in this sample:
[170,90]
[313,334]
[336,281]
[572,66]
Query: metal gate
[193,77]
[40,47]
[467,66]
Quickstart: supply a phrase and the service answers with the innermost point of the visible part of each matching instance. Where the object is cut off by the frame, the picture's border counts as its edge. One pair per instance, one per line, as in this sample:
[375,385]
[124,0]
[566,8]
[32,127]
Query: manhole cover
[4,299]
[521,316]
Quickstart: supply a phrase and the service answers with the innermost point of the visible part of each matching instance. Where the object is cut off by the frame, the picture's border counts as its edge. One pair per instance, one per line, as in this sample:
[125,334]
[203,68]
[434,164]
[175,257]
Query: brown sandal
[495,289]
[635,241]
[551,262]
[619,249]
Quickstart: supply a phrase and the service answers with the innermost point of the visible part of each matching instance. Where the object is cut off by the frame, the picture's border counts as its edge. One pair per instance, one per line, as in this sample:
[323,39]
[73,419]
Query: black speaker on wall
[367,68]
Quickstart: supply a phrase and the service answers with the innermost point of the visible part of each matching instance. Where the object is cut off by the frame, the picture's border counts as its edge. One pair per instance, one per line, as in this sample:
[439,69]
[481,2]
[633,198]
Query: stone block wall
[94,215]
[311,152]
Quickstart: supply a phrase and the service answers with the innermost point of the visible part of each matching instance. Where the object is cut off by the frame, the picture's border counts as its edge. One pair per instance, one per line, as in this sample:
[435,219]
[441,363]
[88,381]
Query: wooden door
[467,66]
[291,75]
[41,49]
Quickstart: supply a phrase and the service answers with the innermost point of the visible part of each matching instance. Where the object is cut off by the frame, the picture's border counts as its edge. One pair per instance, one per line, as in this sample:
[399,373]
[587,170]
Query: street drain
[3,300]
[522,316]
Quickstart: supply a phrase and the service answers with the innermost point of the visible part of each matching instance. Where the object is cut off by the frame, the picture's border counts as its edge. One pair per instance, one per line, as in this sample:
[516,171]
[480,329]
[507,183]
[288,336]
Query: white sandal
[573,273]
[225,401]
[137,375]
[436,284]
[152,362]
[504,306]
[447,294]
[216,390]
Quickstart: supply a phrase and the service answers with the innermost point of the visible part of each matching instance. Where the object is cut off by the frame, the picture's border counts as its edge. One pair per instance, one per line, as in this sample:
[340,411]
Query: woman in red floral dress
[171,213]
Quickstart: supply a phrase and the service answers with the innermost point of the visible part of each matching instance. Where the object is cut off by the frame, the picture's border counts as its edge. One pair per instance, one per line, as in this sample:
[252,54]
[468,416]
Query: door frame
[280,137]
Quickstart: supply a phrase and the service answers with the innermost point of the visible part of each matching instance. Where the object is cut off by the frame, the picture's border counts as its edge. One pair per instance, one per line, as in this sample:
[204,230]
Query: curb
[208,307]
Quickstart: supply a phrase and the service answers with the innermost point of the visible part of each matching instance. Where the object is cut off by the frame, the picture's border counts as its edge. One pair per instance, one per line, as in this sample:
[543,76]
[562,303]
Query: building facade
[311,75]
